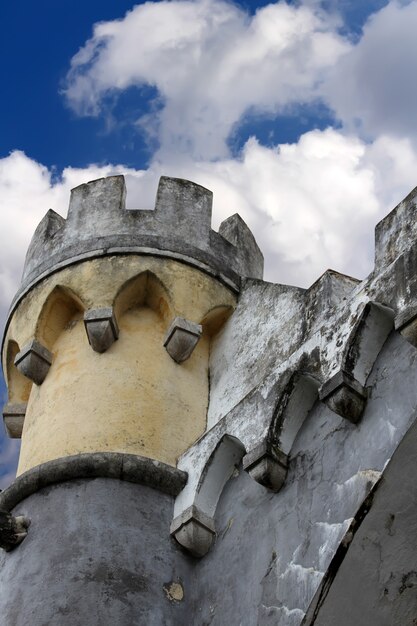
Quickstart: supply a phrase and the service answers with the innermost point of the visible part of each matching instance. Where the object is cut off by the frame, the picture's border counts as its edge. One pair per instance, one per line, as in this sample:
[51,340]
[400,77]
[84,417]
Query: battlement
[98,224]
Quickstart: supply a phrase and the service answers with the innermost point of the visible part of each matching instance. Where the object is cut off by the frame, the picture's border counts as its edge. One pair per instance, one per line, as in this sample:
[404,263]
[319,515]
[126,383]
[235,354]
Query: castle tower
[200,446]
[106,358]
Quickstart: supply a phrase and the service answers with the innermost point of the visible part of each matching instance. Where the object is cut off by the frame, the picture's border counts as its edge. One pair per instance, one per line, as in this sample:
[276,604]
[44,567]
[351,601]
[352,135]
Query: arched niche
[218,470]
[215,319]
[143,290]
[18,385]
[296,401]
[345,393]
[61,308]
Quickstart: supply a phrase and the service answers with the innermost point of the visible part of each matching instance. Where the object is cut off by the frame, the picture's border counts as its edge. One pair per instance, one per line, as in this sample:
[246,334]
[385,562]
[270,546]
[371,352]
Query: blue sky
[301,116]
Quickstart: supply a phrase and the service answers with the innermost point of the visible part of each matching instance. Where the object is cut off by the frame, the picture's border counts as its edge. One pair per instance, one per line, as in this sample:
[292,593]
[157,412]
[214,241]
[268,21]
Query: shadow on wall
[9,448]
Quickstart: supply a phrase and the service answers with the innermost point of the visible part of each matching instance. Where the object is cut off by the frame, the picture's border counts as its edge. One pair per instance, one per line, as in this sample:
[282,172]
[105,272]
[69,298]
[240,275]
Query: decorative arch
[267,463]
[215,319]
[194,529]
[219,468]
[296,401]
[61,307]
[345,392]
[365,342]
[144,289]
[19,388]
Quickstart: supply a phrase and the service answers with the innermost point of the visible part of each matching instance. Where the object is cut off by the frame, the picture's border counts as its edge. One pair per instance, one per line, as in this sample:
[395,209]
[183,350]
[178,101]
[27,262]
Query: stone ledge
[34,361]
[129,467]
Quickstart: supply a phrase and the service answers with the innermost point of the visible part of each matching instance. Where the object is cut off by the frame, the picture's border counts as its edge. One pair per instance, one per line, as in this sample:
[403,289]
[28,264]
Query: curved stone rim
[206,261]
[129,467]
[231,281]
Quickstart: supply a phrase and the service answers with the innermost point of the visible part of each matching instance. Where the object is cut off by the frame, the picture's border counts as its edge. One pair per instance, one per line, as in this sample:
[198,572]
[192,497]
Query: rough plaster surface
[272,550]
[336,328]
[98,553]
[132,399]
[152,405]
[377,580]
[95,283]
[101,547]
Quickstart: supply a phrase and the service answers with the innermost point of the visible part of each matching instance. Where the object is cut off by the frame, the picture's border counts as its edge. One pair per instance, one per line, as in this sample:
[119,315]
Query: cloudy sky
[299,115]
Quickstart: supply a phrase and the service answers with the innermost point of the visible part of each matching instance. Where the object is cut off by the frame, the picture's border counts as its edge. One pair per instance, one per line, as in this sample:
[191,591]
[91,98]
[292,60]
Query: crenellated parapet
[179,227]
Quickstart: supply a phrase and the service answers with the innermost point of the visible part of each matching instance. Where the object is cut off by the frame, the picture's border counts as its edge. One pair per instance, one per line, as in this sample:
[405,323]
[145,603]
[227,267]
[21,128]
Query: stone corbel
[14,417]
[193,526]
[194,531]
[101,328]
[181,339]
[406,324]
[345,392]
[34,361]
[344,395]
[267,464]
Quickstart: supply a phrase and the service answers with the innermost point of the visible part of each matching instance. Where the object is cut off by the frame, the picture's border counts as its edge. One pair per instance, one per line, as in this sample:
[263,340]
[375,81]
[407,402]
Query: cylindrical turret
[106,358]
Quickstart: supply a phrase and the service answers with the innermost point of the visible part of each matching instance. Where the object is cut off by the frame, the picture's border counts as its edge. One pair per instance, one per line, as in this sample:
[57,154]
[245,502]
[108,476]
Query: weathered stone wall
[272,550]
[99,553]
[101,547]
[376,582]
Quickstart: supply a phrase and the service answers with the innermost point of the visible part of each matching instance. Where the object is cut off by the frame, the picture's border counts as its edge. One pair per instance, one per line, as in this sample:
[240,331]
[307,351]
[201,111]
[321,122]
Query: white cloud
[210,62]
[373,87]
[311,205]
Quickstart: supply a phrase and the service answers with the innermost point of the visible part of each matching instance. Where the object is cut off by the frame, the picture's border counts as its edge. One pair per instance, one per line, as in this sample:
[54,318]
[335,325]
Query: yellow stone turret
[108,341]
